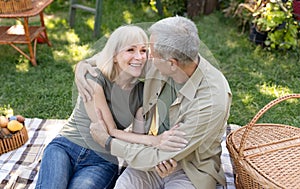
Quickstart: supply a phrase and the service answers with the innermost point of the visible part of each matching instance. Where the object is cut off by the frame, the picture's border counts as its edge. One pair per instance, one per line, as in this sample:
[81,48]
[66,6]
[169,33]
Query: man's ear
[174,64]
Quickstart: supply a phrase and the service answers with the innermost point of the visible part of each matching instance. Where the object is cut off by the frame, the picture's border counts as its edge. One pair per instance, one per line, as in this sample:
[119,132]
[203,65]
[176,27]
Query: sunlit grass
[127,17]
[274,90]
[247,99]
[231,44]
[74,54]
[90,23]
[22,67]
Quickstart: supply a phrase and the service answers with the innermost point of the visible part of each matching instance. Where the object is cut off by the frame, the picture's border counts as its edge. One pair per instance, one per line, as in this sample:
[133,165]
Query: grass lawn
[256,76]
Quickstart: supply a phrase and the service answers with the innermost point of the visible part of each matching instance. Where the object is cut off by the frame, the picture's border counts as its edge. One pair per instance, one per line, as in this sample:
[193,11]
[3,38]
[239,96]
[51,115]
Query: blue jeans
[68,165]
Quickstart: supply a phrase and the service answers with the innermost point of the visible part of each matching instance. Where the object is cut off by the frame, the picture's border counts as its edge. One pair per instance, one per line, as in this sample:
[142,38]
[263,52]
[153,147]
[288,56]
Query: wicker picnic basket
[15,141]
[13,6]
[266,155]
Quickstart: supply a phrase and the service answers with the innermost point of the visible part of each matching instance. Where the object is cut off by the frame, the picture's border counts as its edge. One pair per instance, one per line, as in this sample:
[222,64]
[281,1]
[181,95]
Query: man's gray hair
[176,37]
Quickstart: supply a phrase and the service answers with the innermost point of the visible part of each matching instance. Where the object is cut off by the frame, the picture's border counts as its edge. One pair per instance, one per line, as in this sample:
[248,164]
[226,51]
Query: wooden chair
[26,33]
[97,11]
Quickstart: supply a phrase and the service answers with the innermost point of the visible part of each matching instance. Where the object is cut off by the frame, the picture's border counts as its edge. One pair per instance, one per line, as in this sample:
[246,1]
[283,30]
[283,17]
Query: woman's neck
[125,81]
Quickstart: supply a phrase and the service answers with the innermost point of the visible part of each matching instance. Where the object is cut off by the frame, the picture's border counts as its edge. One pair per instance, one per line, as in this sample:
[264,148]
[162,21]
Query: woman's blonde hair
[122,37]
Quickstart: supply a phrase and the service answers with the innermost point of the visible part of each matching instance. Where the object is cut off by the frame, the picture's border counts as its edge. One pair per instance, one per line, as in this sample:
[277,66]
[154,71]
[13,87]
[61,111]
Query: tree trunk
[198,7]
[210,6]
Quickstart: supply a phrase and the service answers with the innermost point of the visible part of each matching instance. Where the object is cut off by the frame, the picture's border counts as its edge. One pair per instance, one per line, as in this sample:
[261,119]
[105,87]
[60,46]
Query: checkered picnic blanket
[19,168]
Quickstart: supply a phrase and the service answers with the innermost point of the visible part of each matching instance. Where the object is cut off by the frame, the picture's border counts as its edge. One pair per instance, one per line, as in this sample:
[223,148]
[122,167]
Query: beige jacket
[201,109]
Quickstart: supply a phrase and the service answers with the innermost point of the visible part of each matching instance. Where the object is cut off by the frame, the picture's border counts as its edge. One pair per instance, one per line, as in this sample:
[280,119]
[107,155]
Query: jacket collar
[190,88]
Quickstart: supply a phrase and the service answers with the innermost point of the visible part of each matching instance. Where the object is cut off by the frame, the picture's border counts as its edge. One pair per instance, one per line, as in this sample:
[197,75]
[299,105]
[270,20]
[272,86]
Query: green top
[122,103]
[165,99]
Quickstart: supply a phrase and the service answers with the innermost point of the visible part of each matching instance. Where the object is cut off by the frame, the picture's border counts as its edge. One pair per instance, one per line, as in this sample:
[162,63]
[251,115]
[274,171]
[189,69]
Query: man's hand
[171,140]
[165,168]
[98,130]
[84,88]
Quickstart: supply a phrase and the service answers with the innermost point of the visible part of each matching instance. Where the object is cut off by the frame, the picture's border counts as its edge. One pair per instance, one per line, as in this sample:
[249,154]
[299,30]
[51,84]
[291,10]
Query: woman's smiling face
[132,59]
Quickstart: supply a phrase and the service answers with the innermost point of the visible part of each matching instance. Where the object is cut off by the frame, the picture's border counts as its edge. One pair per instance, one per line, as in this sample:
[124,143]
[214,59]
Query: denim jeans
[68,165]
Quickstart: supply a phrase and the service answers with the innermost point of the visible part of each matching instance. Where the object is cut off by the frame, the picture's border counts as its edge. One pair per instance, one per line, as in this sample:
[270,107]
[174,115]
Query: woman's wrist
[108,143]
[113,132]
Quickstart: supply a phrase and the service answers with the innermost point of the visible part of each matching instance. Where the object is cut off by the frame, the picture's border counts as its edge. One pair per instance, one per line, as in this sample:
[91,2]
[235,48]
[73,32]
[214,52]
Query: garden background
[255,73]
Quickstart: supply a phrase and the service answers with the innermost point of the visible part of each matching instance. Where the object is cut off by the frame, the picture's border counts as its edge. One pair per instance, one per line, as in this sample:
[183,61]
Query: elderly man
[184,89]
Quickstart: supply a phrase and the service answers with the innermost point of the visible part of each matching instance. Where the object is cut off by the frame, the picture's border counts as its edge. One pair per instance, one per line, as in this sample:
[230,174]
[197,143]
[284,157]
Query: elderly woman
[73,159]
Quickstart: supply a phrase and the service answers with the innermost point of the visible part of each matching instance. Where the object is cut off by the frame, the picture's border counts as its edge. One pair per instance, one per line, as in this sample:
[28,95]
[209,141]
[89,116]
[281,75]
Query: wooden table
[26,34]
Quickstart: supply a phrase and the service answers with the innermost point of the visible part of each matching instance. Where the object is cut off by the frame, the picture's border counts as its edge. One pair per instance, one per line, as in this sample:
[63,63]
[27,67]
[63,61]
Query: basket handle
[258,115]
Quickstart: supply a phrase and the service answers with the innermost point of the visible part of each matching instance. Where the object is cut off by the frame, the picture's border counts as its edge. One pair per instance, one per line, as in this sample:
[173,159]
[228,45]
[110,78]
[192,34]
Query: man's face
[164,66]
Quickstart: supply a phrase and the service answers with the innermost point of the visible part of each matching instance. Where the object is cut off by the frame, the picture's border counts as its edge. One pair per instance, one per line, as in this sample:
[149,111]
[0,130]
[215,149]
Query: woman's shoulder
[100,78]
[99,74]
